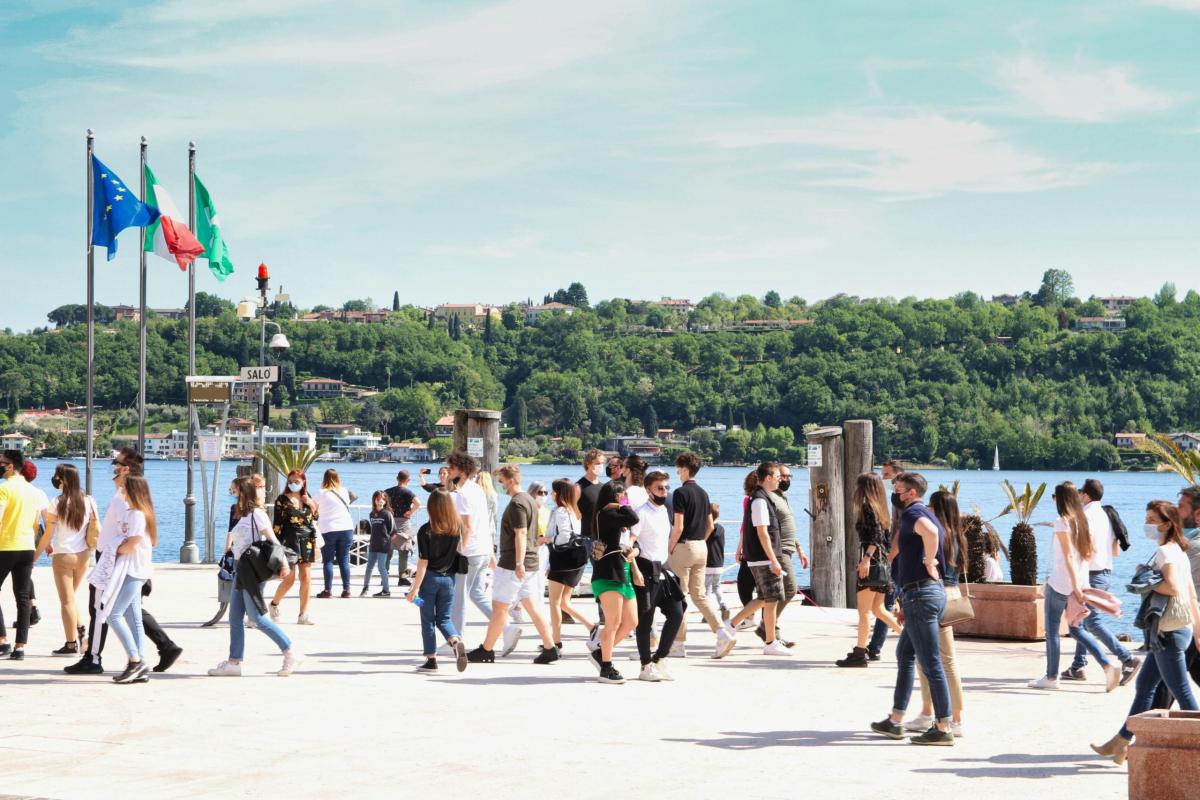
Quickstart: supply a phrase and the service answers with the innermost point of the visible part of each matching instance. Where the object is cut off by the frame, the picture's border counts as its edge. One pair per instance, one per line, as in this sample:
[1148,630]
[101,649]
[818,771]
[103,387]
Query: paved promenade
[356,721]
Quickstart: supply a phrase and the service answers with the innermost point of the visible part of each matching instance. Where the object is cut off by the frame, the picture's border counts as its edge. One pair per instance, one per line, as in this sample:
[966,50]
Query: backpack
[1119,530]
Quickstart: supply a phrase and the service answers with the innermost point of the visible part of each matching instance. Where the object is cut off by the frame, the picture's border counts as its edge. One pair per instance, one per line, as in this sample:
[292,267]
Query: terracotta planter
[1006,611]
[1164,760]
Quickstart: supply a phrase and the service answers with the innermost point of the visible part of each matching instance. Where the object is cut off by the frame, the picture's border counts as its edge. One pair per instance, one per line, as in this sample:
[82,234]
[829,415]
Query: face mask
[785,484]
[658,500]
[55,482]
[1152,532]
[895,498]
[1191,533]
[295,487]
[261,494]
[608,471]
[233,492]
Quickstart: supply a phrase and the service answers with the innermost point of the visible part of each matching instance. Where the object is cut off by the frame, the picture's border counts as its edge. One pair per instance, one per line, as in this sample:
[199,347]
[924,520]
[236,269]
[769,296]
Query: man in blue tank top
[917,550]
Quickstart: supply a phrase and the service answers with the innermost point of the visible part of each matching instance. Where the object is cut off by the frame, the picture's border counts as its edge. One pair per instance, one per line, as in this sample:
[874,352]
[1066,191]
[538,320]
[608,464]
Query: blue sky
[493,151]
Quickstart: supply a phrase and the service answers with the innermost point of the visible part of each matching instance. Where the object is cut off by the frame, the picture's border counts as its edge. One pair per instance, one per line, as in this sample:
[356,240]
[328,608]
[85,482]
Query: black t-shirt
[382,524]
[589,493]
[716,548]
[439,550]
[400,498]
[611,523]
[692,501]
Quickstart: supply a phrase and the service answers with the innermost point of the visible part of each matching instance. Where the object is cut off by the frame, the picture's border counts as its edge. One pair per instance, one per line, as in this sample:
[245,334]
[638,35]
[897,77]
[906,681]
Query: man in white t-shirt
[1104,544]
[652,535]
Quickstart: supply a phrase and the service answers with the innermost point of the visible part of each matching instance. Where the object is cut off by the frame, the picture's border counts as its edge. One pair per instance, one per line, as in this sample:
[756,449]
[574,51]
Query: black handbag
[879,573]
[569,556]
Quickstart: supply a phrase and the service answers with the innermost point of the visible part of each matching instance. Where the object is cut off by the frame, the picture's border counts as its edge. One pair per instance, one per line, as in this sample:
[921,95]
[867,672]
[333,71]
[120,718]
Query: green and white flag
[208,231]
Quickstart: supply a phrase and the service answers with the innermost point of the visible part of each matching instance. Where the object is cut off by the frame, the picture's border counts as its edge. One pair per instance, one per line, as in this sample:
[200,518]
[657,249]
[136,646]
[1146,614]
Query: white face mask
[295,487]
[1152,532]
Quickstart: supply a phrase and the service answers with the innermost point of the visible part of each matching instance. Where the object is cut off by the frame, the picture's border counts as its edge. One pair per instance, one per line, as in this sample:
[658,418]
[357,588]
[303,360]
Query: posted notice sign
[210,446]
[475,447]
[814,455]
[260,374]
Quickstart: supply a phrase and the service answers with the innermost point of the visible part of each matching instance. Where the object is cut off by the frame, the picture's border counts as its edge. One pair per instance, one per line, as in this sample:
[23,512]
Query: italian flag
[169,236]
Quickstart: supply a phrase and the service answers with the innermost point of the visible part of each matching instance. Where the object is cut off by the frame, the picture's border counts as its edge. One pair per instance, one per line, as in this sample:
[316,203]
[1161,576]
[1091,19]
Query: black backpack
[1119,530]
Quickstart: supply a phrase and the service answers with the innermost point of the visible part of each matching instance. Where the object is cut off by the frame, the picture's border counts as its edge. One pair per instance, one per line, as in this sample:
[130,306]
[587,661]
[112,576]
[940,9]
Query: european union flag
[114,208]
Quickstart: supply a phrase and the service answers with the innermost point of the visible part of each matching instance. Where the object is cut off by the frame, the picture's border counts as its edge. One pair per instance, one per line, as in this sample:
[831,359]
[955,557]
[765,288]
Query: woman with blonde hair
[873,523]
[1072,545]
[68,519]
[335,523]
[433,585]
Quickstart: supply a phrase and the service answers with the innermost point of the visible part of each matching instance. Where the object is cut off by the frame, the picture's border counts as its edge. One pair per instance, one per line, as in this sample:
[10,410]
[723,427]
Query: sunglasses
[540,494]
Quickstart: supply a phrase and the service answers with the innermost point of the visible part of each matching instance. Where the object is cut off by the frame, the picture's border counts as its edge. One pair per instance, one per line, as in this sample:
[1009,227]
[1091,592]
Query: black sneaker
[5,649]
[460,655]
[548,656]
[404,582]
[872,655]
[855,658]
[594,657]
[1073,674]
[934,737]
[761,632]
[892,730]
[609,674]
[68,649]
[481,656]
[134,672]
[346,593]
[1129,669]
[167,657]
[382,594]
[85,666]
[35,616]
[16,655]
[363,593]
[430,665]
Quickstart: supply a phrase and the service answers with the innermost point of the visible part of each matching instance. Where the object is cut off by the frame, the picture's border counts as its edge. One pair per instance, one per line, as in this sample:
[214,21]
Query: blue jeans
[242,604]
[336,548]
[1056,606]
[1094,624]
[125,618]
[476,584]
[1169,667]
[437,596]
[380,559]
[923,609]
[879,634]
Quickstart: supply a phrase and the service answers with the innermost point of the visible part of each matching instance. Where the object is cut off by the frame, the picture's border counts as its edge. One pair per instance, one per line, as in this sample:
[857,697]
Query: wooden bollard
[859,458]
[477,432]
[827,505]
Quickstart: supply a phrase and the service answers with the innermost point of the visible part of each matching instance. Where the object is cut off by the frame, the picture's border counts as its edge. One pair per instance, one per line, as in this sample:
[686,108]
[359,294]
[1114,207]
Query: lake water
[979,492]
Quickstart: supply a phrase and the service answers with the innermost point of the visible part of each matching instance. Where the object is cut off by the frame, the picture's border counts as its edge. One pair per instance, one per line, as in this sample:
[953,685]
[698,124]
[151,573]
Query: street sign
[260,374]
[209,388]
[814,455]
[474,447]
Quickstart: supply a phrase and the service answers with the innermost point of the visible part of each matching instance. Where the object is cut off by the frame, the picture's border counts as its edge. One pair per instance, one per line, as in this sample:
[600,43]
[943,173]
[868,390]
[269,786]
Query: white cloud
[1178,5]
[502,249]
[1081,92]
[213,12]
[914,156]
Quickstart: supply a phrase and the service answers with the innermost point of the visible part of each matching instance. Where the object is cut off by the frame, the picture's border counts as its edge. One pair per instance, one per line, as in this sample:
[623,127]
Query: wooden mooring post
[827,506]
[858,435]
[477,432]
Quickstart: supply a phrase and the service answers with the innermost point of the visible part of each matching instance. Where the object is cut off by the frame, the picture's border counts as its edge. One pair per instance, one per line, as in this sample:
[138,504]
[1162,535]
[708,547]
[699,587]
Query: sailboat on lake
[996,459]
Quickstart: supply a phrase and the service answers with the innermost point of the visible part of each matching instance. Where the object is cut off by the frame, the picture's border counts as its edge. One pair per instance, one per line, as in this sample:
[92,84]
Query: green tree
[772,300]
[338,410]
[520,418]
[651,421]
[396,300]
[210,305]
[1057,288]
[413,410]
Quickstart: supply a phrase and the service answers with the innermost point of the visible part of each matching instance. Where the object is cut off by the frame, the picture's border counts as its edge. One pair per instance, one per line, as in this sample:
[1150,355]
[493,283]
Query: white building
[357,443]
[240,440]
[1186,441]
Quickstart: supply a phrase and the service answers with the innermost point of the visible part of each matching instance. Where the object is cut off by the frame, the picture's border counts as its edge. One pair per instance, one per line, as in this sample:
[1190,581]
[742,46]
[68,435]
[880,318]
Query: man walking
[516,572]
[688,551]
[789,548]
[403,504]
[764,557]
[659,590]
[1105,546]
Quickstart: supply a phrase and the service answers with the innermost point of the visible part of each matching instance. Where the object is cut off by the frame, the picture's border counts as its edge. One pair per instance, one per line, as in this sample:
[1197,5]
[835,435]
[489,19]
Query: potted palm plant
[1012,610]
[283,459]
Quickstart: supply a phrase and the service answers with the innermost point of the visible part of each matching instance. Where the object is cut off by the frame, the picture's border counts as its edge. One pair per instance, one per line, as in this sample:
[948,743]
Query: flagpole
[189,553]
[142,317]
[91,314]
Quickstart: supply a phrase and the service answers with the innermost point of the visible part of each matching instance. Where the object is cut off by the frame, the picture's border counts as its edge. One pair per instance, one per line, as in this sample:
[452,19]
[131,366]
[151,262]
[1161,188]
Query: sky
[495,151]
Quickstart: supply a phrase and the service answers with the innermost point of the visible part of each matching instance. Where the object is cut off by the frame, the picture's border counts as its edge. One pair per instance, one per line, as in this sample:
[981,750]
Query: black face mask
[785,484]
[608,470]
[896,499]
[55,482]
[658,500]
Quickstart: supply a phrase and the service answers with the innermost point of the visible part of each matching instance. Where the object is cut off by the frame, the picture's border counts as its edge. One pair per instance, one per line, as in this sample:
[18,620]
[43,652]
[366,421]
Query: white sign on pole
[260,374]
[210,446]
[814,455]
[475,447]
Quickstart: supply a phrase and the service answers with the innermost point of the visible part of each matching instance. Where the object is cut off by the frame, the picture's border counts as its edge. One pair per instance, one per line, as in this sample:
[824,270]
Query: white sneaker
[725,642]
[663,672]
[678,650]
[956,729]
[514,615]
[594,637]
[747,625]
[226,669]
[1044,682]
[919,724]
[512,635]
[249,623]
[304,619]
[649,674]
[273,610]
[291,660]
[776,648]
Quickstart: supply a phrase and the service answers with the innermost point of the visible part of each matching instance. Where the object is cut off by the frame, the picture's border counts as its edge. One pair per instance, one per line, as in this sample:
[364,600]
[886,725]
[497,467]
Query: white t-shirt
[471,502]
[66,540]
[1102,537]
[1060,578]
[1172,554]
[991,570]
[759,515]
[251,527]
[110,528]
[141,560]
[333,509]
[653,531]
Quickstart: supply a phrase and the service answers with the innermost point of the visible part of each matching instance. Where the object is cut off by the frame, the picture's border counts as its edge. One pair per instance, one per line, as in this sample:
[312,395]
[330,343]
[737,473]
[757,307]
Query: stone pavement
[357,722]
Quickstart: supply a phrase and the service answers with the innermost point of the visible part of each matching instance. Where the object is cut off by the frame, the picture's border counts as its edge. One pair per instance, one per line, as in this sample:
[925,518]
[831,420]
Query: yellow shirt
[19,508]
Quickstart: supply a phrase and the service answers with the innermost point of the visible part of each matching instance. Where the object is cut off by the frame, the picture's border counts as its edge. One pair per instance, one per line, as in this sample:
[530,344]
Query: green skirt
[623,588]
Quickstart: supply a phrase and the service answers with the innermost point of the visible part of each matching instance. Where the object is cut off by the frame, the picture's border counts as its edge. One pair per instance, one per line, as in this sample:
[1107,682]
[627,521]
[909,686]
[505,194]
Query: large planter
[1005,611]
[1164,760]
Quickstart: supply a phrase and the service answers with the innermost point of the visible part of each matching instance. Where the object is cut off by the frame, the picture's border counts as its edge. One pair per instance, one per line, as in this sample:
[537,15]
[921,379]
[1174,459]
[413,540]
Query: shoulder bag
[879,573]
[958,605]
[569,556]
[92,537]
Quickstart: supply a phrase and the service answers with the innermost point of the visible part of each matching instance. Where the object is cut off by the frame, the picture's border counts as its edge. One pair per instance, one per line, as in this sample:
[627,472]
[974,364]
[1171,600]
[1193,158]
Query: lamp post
[247,310]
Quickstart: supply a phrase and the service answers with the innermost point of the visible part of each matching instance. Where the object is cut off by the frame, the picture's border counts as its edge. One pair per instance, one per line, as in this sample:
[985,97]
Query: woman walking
[568,556]
[68,520]
[379,549]
[613,575]
[295,528]
[336,526]
[872,522]
[433,585]
[1068,578]
[1177,619]
[121,573]
[945,507]
[258,556]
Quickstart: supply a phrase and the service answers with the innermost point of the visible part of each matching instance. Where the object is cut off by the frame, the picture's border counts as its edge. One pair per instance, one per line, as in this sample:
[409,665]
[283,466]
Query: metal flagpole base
[189,553]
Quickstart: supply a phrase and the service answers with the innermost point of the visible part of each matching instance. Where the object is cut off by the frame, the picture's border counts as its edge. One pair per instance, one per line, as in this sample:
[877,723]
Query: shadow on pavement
[1024,765]
[742,740]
